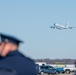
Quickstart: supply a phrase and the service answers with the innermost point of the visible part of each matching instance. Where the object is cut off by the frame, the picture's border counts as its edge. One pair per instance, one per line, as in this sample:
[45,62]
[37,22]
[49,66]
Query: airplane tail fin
[67,25]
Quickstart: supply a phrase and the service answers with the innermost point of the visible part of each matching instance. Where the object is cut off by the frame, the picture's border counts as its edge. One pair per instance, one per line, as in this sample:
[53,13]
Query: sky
[29,20]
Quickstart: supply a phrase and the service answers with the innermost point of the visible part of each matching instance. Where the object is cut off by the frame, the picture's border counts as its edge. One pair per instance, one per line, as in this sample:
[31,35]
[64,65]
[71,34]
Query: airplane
[60,27]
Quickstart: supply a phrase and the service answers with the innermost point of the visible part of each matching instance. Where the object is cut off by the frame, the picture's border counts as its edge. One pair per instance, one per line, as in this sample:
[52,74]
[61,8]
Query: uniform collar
[16,52]
[13,53]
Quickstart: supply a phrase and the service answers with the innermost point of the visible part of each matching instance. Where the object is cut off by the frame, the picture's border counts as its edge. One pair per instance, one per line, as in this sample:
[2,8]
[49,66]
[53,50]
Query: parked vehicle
[60,70]
[37,68]
[48,70]
[69,69]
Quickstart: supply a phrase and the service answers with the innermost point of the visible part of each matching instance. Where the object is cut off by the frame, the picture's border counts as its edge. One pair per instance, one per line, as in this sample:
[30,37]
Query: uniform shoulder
[27,58]
[30,59]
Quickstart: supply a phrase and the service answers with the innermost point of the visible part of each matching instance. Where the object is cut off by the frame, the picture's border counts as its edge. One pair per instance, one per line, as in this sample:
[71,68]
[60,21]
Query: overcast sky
[29,20]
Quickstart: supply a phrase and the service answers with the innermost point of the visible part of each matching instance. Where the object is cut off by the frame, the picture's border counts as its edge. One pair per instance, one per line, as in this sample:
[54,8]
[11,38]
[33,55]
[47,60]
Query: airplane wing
[52,27]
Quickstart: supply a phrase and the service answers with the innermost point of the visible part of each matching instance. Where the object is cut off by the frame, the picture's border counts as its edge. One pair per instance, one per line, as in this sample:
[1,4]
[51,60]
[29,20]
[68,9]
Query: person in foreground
[12,62]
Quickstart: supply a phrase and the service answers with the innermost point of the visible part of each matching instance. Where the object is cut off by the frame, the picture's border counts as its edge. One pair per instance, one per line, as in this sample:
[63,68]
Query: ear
[6,50]
[2,45]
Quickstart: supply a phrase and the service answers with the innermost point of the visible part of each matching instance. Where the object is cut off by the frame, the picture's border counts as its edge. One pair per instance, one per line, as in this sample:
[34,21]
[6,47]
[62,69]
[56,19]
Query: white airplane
[59,26]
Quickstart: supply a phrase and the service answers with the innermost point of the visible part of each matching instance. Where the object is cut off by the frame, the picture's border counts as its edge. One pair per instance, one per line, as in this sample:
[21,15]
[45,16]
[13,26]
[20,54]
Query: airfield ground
[63,74]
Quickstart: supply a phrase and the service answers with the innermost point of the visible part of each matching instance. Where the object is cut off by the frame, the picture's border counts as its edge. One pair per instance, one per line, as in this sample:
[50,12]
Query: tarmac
[60,74]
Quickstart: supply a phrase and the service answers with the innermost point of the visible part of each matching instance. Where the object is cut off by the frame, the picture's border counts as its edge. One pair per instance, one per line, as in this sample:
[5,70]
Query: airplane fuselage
[58,26]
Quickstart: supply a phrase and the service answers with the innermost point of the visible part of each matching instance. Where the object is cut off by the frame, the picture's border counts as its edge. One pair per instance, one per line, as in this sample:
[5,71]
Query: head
[8,44]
